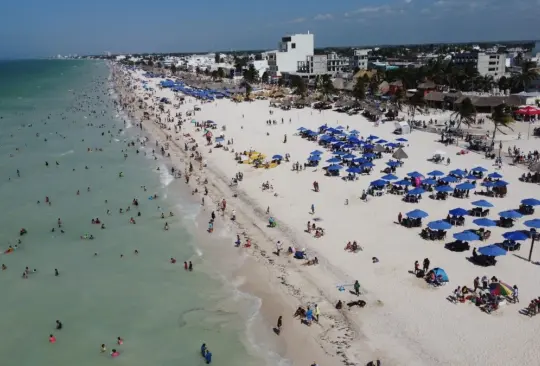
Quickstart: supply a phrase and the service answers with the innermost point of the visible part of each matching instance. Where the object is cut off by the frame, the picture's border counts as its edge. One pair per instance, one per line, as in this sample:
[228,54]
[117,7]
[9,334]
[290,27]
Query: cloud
[408,1]
[425,11]
[297,20]
[323,17]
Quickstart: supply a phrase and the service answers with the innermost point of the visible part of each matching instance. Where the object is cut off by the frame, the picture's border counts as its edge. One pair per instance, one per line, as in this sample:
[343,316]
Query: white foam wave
[67,152]
[165,177]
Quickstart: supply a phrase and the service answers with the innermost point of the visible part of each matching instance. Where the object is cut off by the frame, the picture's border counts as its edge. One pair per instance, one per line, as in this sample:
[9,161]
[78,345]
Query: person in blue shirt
[203,349]
[208,357]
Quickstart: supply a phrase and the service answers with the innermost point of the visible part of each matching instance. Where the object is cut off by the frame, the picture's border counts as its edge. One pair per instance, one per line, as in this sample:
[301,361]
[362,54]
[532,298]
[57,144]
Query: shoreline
[274,301]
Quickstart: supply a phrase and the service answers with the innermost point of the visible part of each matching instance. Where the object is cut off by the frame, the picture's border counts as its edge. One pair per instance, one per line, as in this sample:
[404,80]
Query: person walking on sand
[312,208]
[476,284]
[399,218]
[515,294]
[279,324]
[416,267]
[426,265]
[279,246]
[357,288]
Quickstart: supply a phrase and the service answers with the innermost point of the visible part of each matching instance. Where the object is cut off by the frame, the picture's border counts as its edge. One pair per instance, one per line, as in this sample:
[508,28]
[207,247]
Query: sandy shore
[405,322]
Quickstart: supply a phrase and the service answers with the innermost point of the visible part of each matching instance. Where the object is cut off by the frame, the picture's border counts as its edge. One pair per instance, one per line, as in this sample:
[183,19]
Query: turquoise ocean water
[54,111]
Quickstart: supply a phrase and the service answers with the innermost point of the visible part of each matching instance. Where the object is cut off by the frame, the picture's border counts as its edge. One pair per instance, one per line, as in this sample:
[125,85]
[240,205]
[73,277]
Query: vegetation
[220,73]
[466,113]
[359,90]
[251,75]
[327,86]
[502,119]
[297,83]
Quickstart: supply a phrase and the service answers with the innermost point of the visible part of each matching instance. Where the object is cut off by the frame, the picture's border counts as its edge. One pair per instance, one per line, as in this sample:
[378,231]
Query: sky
[39,28]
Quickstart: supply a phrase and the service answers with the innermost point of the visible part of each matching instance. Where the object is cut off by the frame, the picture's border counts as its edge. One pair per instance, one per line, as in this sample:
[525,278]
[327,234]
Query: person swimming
[119,341]
[59,324]
[190,266]
[52,339]
[115,353]
[103,348]
[4,267]
[56,272]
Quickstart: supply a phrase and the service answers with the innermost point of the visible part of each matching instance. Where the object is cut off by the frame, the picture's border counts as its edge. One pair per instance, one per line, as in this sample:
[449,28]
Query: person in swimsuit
[103,348]
[59,325]
[119,341]
[52,339]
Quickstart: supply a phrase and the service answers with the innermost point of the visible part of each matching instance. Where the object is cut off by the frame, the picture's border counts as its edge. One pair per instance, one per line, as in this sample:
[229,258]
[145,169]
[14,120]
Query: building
[359,59]
[292,49]
[260,65]
[487,64]
[336,63]
[313,65]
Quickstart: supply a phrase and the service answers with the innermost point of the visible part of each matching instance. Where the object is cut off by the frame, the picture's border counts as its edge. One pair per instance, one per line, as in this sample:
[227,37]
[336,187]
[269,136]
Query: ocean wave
[165,177]
[67,152]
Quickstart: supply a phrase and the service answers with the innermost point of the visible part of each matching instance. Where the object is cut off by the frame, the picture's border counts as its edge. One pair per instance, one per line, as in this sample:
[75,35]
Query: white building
[291,50]
[487,64]
[336,63]
[313,65]
[360,59]
[260,65]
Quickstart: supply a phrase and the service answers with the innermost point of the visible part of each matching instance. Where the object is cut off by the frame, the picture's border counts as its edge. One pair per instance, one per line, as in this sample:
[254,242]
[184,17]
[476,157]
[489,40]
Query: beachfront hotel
[291,50]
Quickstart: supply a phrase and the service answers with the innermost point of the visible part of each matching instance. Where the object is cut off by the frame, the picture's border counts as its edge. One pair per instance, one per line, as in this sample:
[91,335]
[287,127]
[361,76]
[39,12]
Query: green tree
[198,70]
[327,86]
[466,113]
[248,89]
[217,58]
[265,77]
[299,85]
[214,75]
[207,71]
[359,90]
[416,103]
[503,83]
[399,98]
[221,73]
[529,72]
[173,69]
[280,82]
[251,75]
[502,119]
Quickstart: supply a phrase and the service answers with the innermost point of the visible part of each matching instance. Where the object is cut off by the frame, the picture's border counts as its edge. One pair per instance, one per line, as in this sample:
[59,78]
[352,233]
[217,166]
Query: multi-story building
[291,50]
[336,63]
[360,59]
[487,64]
[313,65]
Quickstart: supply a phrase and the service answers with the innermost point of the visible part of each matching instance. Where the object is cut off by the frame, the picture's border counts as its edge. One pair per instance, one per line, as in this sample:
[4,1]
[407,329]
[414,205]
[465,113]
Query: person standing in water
[59,325]
[190,266]
[279,324]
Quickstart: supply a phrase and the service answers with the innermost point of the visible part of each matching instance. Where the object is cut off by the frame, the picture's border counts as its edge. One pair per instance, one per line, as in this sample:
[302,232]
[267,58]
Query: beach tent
[440,274]
[402,128]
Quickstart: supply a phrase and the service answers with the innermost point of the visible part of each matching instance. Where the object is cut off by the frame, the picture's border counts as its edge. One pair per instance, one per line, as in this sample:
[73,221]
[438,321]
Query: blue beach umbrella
[415,174]
[389,177]
[444,189]
[435,173]
[381,141]
[535,224]
[465,186]
[316,152]
[334,167]
[378,183]
[401,139]
[515,235]
[449,179]
[439,225]
[417,214]
[372,137]
[368,164]
[466,236]
[472,177]
[530,202]
[417,191]
[510,214]
[495,175]
[355,132]
[333,160]
[340,153]
[277,157]
[314,158]
[301,129]
[403,182]
[482,203]
[500,183]
[492,250]
[488,184]
[392,164]
[354,170]
[429,182]
[369,155]
[485,222]
[458,212]
[479,169]
[348,156]
[457,172]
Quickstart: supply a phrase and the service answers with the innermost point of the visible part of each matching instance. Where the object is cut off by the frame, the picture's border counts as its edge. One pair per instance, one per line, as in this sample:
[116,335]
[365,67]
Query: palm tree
[299,86]
[327,86]
[264,77]
[466,113]
[529,72]
[221,73]
[359,90]
[416,102]
[502,118]
[399,98]
[173,69]
[248,87]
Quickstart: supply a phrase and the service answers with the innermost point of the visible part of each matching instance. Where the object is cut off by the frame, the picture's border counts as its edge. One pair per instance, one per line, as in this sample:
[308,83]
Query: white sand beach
[406,321]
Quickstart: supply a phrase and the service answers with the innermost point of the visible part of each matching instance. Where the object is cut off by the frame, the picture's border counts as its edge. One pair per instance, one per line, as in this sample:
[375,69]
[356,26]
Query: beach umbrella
[372,137]
[368,164]
[488,184]
[379,148]
[495,175]
[485,222]
[500,183]
[348,156]
[403,182]
[392,164]
[535,223]
[444,189]
[417,191]
[510,214]
[400,154]
[340,127]
[530,202]
[334,167]
[440,274]
[429,182]
[378,183]
[354,170]
[466,236]
[449,179]
[500,289]
[277,157]
[340,153]
[369,155]
[439,225]
[515,235]
[435,173]
[392,145]
[333,160]
[301,129]
[479,169]
[458,212]
[482,203]
[472,177]
[415,174]
[492,250]
[381,141]
[457,172]
[389,177]
[316,152]
[368,146]
[401,139]
[417,214]
[465,186]
[528,111]
[314,158]
[360,160]
[354,132]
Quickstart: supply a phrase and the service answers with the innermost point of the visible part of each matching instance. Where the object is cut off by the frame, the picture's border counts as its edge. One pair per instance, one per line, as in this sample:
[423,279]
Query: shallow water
[163,312]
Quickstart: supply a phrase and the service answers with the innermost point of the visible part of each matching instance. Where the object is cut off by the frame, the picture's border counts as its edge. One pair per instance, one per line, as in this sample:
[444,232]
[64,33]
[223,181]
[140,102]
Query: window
[293,45]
